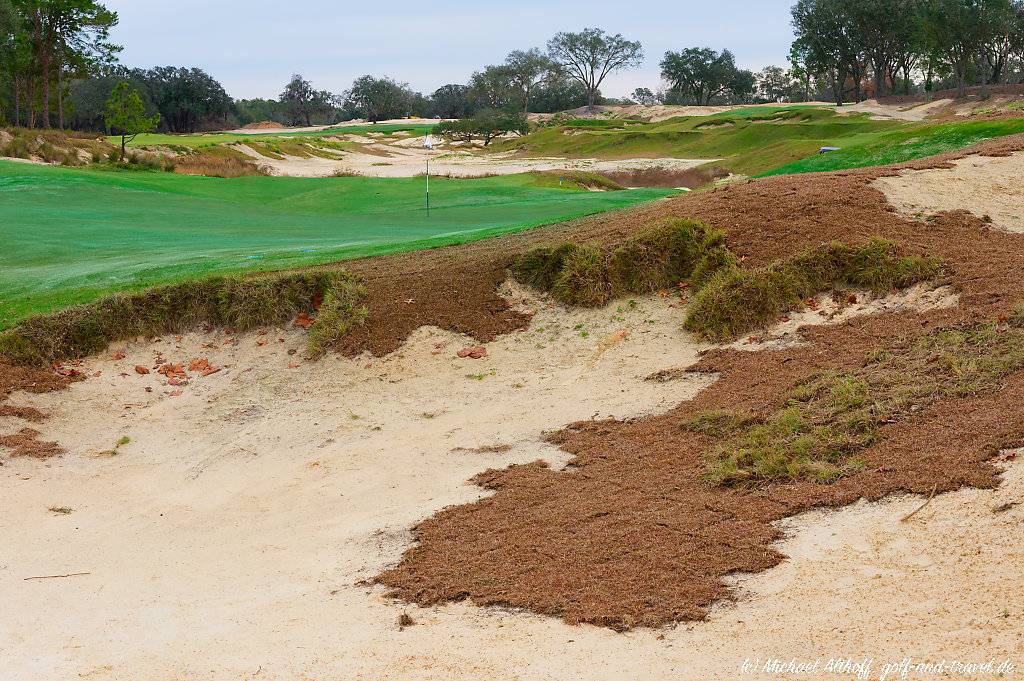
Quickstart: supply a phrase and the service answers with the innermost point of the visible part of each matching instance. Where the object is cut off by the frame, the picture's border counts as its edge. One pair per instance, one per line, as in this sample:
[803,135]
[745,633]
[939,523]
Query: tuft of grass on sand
[233,302]
[55,146]
[339,313]
[735,301]
[832,417]
[583,278]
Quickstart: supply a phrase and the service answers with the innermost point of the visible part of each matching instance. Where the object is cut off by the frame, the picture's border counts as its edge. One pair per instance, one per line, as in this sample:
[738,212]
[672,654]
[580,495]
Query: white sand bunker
[983,185]
[228,537]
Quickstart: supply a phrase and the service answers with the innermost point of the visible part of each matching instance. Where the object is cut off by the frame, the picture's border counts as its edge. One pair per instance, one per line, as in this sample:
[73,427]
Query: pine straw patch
[24,413]
[634,533]
[33,379]
[26,443]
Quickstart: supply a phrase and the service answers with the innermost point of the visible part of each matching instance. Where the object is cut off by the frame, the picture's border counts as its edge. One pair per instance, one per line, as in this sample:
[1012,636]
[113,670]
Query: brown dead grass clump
[216,166]
[25,413]
[263,125]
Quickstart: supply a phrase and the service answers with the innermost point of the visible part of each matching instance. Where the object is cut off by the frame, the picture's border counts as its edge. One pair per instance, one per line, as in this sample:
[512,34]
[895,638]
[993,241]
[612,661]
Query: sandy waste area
[408,158]
[984,185]
[231,535]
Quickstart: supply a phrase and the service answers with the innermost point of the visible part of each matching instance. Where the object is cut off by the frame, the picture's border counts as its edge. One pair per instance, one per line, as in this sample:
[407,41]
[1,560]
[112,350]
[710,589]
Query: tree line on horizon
[58,68]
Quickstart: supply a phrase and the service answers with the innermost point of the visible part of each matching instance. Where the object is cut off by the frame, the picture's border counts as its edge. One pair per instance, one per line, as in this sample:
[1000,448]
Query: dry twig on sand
[921,507]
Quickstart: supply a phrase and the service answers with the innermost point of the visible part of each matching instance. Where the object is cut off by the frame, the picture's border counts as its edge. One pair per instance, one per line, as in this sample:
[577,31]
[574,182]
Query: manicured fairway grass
[71,235]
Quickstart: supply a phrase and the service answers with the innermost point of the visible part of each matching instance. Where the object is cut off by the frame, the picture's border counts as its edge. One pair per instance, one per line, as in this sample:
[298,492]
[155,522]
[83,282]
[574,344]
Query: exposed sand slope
[900,112]
[983,185]
[226,539]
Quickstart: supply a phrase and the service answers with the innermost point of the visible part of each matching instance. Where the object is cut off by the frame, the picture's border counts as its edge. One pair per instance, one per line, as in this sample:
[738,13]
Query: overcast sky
[252,47]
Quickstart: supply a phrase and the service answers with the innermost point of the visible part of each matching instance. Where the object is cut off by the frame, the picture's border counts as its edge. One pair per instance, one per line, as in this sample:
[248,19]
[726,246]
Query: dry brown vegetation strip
[631,534]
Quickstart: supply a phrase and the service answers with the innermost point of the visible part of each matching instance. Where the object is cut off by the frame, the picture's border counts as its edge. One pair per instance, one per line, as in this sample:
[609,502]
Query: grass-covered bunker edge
[237,303]
[728,300]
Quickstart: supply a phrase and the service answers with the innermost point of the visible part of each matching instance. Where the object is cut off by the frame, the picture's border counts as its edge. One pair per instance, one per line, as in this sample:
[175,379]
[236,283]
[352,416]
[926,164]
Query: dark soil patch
[632,534]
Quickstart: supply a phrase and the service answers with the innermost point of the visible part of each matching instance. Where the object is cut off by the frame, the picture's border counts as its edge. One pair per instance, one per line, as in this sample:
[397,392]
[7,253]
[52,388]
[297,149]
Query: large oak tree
[589,56]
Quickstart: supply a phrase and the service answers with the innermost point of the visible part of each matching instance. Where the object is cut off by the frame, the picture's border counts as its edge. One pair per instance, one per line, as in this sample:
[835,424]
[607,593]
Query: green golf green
[72,235]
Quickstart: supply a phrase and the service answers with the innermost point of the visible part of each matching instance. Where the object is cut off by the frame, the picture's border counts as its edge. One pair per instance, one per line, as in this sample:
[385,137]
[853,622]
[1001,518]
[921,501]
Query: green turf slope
[913,142]
[746,142]
[71,235]
[764,140]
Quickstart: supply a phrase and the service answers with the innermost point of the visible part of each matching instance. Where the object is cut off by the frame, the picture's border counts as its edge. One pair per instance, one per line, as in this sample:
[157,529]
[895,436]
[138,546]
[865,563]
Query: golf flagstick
[429,146]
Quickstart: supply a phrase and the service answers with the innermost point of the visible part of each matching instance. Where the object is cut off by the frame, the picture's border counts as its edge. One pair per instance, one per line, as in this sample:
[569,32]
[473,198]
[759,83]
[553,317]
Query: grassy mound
[660,257]
[762,140]
[831,418]
[734,301]
[746,142]
[230,302]
[576,179]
